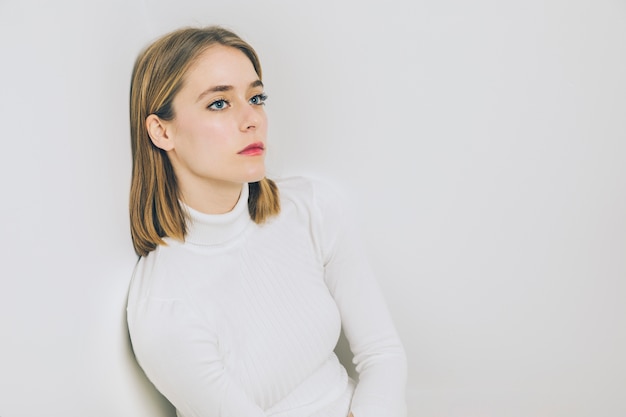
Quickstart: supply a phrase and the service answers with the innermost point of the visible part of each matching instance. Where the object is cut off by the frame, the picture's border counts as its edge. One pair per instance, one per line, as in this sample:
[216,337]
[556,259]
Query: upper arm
[367,323]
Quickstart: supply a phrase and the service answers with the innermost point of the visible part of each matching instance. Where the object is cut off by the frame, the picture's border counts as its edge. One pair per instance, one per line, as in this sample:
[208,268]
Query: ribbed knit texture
[241,319]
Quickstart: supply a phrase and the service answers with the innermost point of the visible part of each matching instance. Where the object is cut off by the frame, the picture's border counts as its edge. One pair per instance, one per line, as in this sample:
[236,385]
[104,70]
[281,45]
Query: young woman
[243,284]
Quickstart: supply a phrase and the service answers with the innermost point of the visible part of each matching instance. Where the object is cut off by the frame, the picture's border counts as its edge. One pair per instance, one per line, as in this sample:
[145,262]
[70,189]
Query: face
[218,135]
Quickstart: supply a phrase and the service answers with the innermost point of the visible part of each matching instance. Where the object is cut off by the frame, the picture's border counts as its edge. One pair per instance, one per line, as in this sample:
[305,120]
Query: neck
[216,197]
[216,229]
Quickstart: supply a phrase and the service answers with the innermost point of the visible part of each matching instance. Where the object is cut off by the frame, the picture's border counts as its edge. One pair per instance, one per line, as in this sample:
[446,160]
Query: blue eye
[218,105]
[258,100]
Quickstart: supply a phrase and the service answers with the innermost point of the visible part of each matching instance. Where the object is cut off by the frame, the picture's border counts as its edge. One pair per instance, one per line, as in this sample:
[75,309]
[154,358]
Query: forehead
[221,65]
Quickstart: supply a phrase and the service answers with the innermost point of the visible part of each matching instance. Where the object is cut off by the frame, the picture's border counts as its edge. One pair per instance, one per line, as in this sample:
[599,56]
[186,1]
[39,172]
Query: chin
[255,176]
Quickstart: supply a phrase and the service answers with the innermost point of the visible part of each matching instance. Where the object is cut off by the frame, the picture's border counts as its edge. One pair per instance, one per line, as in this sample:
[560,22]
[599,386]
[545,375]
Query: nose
[250,118]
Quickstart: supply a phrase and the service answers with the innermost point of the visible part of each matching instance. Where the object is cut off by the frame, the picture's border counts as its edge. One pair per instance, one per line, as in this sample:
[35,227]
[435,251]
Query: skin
[218,112]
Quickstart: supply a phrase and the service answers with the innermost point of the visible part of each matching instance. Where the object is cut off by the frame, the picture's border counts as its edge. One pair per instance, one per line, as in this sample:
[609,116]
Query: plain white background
[484,141]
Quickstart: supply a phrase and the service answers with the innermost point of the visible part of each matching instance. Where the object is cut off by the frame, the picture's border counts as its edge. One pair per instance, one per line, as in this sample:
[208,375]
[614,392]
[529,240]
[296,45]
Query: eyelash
[212,108]
[260,97]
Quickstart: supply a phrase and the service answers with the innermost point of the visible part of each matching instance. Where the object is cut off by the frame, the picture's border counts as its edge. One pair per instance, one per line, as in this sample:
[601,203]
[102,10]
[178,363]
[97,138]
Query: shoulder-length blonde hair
[158,75]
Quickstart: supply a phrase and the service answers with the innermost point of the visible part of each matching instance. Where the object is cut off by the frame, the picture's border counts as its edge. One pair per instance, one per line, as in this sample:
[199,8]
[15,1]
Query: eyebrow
[222,88]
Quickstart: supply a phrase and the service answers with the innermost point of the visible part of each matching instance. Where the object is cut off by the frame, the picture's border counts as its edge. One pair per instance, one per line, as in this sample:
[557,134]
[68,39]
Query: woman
[243,284]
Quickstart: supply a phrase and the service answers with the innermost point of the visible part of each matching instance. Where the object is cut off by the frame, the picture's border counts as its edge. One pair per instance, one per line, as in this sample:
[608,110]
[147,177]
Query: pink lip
[256,148]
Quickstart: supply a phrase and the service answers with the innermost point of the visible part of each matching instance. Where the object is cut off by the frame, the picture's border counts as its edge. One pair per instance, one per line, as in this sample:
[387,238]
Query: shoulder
[157,299]
[314,191]
[152,278]
[321,205]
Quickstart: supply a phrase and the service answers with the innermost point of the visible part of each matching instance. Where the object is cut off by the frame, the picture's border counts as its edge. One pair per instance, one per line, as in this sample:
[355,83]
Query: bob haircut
[158,75]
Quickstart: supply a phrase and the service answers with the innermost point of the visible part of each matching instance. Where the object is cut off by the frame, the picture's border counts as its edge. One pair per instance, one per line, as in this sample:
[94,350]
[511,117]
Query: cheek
[206,134]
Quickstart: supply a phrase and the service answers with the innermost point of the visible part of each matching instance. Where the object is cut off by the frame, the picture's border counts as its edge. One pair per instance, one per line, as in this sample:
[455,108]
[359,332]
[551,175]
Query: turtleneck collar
[215,229]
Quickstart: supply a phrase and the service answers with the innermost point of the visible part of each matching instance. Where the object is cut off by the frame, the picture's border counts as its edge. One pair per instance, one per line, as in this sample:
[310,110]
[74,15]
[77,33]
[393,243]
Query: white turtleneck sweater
[241,319]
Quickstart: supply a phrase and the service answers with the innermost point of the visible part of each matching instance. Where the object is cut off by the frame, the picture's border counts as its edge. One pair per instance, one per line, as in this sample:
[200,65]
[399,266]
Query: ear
[159,132]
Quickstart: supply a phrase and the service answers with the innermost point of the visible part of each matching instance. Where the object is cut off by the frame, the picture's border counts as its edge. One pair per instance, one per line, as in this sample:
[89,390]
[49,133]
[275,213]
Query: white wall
[485,141]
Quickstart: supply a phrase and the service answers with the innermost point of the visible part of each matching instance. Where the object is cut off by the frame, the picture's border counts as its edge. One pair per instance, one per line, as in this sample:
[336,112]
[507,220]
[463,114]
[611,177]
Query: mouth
[256,148]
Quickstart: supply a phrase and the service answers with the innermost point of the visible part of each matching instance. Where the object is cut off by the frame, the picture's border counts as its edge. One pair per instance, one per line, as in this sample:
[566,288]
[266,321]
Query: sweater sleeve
[186,367]
[379,356]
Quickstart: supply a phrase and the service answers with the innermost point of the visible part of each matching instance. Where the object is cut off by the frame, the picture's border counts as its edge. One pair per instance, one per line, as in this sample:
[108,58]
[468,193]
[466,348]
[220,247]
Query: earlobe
[158,132]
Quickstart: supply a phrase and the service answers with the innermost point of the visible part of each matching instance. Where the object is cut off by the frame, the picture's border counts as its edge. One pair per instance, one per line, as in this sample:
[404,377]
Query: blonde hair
[158,75]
